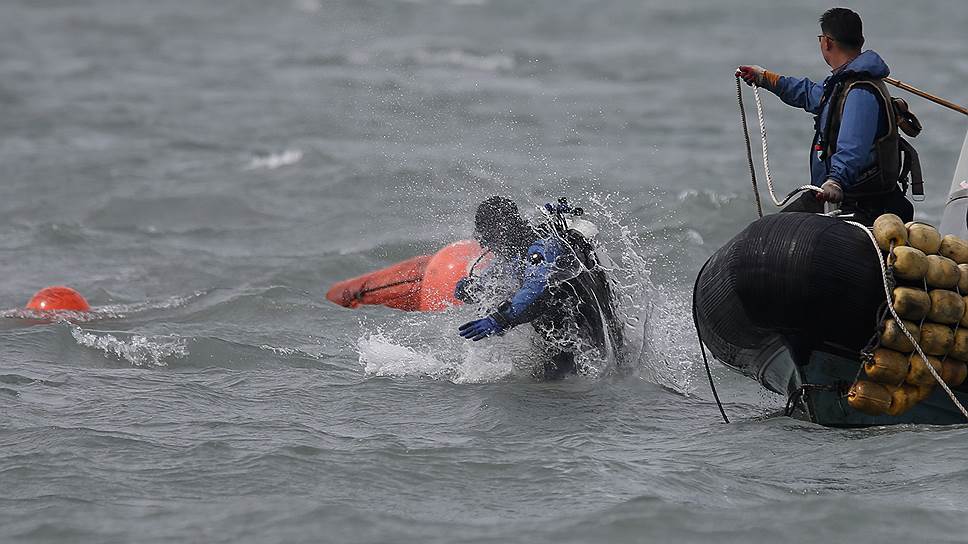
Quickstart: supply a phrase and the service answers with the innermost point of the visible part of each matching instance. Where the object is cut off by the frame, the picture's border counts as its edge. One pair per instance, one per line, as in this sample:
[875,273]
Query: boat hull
[817,391]
[790,302]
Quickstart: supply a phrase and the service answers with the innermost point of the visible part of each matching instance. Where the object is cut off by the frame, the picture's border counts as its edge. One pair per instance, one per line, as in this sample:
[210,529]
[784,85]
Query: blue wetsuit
[526,303]
[533,274]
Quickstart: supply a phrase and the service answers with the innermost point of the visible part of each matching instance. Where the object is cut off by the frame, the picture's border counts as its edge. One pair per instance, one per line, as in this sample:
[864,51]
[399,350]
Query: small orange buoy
[58,297]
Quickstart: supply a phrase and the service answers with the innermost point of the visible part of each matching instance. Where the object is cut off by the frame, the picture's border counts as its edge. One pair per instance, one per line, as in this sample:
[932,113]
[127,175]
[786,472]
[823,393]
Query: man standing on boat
[855,156]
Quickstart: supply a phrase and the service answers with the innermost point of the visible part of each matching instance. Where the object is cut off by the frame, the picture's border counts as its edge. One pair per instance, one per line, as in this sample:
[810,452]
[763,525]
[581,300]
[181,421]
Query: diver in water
[558,284]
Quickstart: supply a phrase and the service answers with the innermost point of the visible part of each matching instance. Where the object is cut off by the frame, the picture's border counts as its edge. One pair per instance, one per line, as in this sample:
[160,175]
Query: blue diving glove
[480,329]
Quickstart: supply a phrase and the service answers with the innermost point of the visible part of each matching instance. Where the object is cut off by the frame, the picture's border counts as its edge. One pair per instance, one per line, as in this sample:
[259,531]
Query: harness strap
[911,164]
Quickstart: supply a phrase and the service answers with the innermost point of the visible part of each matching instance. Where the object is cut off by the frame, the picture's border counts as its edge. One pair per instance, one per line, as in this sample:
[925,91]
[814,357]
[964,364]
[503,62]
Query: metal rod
[928,96]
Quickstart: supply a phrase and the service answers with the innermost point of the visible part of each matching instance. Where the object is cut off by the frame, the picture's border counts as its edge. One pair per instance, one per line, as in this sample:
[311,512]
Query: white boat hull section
[955,217]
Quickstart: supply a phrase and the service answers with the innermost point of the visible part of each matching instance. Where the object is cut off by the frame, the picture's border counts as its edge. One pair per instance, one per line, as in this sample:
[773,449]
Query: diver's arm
[470,288]
[529,301]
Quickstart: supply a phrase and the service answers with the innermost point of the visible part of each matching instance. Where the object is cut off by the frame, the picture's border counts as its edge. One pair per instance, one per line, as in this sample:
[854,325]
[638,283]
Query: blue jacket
[534,275]
[862,123]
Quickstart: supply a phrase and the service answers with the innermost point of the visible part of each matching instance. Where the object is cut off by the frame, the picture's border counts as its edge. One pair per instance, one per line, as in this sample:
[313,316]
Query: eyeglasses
[820,38]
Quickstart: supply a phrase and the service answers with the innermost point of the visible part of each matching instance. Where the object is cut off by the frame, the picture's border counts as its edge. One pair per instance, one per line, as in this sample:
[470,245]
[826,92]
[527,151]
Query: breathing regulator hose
[766,158]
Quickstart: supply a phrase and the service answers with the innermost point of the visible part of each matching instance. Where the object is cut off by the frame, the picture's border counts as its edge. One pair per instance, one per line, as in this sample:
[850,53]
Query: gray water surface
[203,171]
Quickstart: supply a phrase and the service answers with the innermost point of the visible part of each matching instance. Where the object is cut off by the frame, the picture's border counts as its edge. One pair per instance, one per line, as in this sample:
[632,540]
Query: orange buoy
[425,283]
[58,297]
[444,270]
[396,286]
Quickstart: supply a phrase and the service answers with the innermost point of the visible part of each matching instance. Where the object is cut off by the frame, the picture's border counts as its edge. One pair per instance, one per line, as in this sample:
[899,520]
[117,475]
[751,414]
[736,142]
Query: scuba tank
[582,274]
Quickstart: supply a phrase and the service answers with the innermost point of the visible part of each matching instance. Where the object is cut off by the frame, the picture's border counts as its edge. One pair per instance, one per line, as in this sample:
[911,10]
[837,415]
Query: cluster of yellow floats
[932,276]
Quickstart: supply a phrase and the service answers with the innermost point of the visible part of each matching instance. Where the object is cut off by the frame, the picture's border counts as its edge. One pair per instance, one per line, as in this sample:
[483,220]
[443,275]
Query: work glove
[752,75]
[480,329]
[831,191]
[759,76]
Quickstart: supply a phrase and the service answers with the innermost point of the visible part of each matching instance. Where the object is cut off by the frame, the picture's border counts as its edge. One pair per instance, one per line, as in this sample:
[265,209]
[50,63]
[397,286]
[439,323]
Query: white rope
[900,322]
[766,157]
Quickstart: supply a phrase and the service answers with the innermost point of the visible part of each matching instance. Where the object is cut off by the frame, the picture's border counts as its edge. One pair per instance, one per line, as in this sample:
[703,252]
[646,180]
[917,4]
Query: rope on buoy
[766,158]
[900,322]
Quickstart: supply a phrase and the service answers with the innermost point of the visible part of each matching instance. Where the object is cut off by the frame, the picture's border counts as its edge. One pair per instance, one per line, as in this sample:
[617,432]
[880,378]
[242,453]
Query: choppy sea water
[203,171]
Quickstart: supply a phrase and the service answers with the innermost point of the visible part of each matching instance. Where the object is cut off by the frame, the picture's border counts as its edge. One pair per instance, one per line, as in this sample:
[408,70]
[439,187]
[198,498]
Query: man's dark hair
[844,26]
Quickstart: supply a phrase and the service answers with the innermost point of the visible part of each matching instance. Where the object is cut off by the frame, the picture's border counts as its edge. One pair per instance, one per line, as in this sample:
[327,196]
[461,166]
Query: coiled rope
[900,322]
[766,157]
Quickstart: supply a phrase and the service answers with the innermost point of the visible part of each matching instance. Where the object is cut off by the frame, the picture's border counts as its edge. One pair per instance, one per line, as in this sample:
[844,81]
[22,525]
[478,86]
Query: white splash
[275,160]
[136,349]
[457,361]
[672,345]
[382,357]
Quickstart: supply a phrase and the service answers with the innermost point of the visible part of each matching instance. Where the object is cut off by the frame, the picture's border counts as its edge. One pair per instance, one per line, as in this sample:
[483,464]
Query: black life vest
[896,163]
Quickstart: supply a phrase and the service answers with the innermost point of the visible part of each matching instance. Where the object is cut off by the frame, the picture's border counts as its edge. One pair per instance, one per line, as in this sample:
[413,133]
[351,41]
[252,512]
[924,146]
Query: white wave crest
[275,160]
[120,311]
[136,349]
[55,316]
[464,59]
[289,352]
